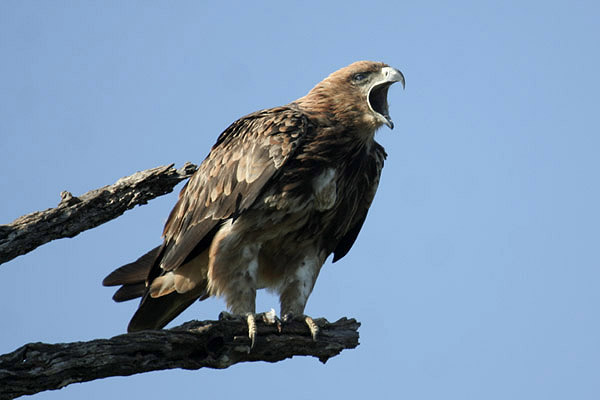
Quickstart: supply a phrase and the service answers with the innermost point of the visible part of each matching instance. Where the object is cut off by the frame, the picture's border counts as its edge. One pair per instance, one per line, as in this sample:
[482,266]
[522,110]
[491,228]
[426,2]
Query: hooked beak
[378,94]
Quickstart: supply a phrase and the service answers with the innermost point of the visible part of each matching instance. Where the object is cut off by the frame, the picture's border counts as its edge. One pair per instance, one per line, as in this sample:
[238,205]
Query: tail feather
[155,313]
[188,284]
[133,273]
[130,292]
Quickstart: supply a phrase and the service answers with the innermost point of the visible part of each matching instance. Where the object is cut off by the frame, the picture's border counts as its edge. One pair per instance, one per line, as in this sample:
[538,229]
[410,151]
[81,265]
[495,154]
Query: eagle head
[355,96]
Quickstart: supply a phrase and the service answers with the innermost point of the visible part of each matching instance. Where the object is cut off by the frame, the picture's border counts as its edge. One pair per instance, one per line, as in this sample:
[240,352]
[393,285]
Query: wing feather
[372,173]
[246,156]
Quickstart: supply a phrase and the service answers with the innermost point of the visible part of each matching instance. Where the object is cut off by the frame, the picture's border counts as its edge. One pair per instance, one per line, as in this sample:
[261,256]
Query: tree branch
[37,367]
[77,214]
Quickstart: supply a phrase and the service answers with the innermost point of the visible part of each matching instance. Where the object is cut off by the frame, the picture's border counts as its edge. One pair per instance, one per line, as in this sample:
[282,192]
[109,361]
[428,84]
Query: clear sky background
[477,273]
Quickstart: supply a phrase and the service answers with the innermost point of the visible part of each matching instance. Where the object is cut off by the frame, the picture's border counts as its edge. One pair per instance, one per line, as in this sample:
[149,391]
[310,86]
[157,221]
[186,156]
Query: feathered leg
[296,291]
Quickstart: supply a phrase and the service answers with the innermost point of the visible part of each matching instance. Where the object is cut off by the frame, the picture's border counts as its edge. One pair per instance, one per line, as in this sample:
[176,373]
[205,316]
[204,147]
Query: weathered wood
[37,367]
[77,214]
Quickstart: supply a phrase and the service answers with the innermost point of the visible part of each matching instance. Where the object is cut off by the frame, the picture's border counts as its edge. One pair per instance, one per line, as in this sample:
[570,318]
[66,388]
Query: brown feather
[134,272]
[156,313]
[190,222]
[130,292]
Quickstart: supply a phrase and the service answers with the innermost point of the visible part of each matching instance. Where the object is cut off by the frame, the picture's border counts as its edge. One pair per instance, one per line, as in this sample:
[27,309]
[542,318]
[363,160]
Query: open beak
[378,94]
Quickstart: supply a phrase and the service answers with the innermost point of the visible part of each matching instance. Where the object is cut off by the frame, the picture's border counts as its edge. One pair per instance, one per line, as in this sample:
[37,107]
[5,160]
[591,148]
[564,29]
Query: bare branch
[37,367]
[77,214]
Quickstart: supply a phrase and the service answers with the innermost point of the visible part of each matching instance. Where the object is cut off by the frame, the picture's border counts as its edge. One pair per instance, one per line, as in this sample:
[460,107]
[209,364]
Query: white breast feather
[324,188]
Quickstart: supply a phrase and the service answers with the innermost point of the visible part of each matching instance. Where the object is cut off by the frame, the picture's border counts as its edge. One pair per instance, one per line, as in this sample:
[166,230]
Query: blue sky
[476,274]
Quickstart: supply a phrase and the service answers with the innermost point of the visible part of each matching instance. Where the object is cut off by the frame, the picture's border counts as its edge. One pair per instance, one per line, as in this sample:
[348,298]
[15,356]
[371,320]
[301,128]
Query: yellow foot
[312,326]
[269,318]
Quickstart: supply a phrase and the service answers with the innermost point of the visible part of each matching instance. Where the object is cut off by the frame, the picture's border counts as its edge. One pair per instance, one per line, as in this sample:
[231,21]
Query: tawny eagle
[281,190]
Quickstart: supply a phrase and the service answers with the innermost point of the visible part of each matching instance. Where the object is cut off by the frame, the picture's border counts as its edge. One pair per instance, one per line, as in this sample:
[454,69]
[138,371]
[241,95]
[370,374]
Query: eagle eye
[359,77]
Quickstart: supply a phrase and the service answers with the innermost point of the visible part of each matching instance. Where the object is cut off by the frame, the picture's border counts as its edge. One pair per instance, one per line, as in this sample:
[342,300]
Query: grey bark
[37,367]
[77,214]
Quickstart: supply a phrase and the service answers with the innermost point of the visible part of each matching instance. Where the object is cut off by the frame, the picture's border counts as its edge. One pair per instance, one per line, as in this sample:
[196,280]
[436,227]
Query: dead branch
[37,367]
[77,214]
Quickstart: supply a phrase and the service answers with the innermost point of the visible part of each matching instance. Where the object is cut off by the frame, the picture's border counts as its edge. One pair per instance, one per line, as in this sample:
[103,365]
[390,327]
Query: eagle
[281,190]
